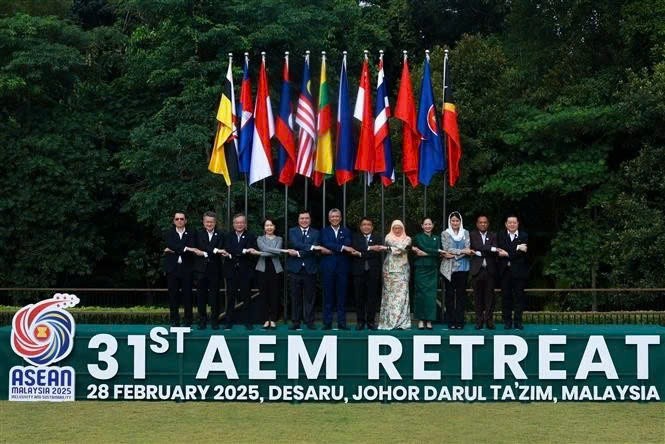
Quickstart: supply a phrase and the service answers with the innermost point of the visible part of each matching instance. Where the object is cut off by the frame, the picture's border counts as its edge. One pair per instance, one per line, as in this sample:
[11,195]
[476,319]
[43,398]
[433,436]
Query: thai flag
[383,160]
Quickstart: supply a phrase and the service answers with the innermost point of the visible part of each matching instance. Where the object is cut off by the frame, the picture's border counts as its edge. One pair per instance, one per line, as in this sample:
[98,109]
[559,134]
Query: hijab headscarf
[460,234]
[394,238]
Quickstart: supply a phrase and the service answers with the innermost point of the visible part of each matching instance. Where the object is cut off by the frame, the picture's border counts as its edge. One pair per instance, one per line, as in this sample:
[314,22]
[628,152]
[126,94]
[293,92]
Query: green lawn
[141,422]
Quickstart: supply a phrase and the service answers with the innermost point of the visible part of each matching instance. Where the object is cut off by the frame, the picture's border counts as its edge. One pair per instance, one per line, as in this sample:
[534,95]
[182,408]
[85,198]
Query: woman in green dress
[425,276]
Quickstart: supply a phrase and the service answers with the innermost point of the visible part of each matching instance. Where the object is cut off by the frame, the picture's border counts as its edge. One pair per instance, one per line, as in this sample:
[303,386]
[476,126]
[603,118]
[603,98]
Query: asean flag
[431,158]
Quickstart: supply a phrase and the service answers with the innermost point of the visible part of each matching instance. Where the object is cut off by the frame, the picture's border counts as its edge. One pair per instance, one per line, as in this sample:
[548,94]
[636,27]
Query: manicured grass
[141,422]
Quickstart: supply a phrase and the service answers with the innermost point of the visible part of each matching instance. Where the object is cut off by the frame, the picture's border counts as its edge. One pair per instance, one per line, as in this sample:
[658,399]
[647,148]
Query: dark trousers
[179,283]
[335,285]
[483,296]
[366,289]
[237,290]
[271,288]
[512,293]
[456,298]
[208,294]
[303,296]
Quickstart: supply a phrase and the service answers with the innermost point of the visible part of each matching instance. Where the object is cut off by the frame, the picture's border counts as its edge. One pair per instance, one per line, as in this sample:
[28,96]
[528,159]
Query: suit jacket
[213,263]
[373,258]
[174,242]
[518,260]
[485,251]
[239,263]
[338,261]
[269,252]
[304,248]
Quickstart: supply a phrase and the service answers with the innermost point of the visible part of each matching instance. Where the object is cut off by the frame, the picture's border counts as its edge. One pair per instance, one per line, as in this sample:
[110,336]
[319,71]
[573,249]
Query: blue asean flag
[431,157]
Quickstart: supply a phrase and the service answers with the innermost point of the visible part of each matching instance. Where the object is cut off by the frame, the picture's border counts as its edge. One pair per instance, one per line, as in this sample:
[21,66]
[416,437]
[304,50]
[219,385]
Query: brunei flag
[224,158]
[323,164]
[450,128]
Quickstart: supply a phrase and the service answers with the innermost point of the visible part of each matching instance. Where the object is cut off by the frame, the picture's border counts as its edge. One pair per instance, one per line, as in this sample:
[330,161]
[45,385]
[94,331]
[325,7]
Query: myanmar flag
[323,166]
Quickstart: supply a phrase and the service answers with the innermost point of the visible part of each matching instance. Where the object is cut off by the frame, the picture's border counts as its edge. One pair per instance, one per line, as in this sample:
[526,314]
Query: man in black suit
[513,271]
[366,269]
[302,266]
[240,247]
[179,255]
[483,271]
[207,269]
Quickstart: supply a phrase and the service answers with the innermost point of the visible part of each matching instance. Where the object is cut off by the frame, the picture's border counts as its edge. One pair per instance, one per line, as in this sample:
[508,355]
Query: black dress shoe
[490,325]
[479,326]
[294,327]
[327,327]
[519,326]
[311,326]
[342,327]
[249,326]
[360,326]
[175,323]
[372,326]
[202,325]
[508,326]
[215,326]
[228,327]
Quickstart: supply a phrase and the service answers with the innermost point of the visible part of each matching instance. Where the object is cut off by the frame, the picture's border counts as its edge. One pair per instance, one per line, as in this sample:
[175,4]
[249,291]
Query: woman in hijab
[455,244]
[425,265]
[395,312]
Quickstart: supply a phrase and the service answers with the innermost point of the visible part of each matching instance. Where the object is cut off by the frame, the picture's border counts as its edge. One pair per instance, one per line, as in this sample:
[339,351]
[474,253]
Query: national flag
[383,159]
[286,154]
[450,128]
[264,129]
[305,118]
[363,113]
[246,120]
[405,110]
[431,157]
[345,156]
[224,159]
[323,166]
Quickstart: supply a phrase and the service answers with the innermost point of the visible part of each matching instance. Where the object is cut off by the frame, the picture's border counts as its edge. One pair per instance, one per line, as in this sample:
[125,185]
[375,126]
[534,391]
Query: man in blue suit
[335,268]
[302,266]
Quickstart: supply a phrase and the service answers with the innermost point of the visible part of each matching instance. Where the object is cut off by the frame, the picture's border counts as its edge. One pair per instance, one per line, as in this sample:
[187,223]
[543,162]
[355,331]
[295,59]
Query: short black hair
[365,218]
[509,215]
[237,215]
[210,214]
[425,218]
[304,211]
[180,212]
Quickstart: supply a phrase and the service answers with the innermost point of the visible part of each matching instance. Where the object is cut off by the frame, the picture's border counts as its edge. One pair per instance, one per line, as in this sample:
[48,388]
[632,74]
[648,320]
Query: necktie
[304,235]
[367,246]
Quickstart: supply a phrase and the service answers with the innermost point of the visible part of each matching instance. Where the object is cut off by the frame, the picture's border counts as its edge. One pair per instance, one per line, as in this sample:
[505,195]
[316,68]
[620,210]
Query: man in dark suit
[207,269]
[179,255]
[513,271]
[483,271]
[240,247]
[335,269]
[366,269]
[302,266]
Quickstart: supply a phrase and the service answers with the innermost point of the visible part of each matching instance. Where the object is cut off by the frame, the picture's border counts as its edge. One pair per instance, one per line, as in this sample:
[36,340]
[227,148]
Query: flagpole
[228,206]
[286,243]
[306,186]
[246,188]
[365,179]
[323,202]
[403,197]
[425,201]
[263,181]
[447,171]
[344,200]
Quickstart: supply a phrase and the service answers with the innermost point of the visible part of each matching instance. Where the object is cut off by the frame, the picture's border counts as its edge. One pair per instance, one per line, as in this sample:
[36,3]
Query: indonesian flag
[264,129]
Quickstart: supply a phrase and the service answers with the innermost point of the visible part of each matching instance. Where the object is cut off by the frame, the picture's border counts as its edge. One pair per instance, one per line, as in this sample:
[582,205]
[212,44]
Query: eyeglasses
[179,218]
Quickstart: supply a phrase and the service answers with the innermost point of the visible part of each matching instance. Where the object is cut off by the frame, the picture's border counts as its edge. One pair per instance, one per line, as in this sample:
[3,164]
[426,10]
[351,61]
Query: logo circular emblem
[43,333]
[431,119]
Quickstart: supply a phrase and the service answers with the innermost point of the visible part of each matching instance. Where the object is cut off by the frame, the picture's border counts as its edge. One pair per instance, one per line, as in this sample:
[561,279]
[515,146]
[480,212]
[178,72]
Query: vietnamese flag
[405,110]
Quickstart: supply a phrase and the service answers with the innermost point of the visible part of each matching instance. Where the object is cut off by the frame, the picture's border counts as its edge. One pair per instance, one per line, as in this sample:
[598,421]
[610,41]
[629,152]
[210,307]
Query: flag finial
[286,53]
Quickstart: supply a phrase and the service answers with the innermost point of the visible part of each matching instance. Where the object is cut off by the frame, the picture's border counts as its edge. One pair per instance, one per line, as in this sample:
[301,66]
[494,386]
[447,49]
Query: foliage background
[107,117]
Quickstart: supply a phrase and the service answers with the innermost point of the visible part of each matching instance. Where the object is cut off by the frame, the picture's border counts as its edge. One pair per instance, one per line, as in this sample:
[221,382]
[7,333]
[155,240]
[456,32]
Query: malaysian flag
[306,120]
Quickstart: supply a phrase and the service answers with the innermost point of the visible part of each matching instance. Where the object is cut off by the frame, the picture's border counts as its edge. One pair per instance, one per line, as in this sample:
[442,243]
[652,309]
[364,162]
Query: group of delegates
[204,256]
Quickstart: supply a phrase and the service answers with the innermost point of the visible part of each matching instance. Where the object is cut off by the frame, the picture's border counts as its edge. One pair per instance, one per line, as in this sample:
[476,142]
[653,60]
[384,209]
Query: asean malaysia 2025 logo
[43,334]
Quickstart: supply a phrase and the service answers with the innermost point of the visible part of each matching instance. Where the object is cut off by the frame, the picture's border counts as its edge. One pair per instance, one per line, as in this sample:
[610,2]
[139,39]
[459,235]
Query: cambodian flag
[245,111]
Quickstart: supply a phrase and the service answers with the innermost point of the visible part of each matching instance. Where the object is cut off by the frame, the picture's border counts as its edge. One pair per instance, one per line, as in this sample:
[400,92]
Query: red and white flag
[264,130]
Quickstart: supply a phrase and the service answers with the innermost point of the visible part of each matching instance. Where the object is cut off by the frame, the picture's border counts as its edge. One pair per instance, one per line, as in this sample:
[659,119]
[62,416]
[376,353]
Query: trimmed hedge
[157,316]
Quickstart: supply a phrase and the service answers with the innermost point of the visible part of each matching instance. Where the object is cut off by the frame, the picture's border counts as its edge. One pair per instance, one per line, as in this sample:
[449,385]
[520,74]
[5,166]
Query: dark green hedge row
[148,315]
